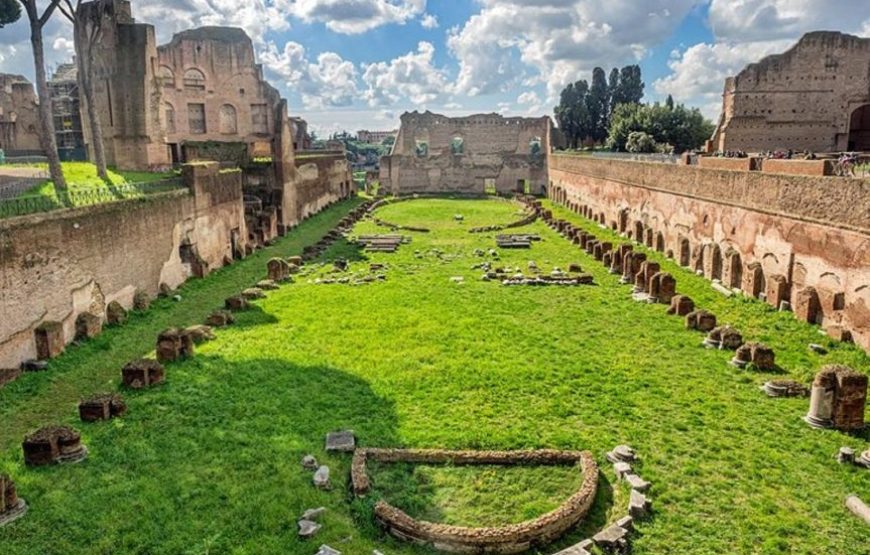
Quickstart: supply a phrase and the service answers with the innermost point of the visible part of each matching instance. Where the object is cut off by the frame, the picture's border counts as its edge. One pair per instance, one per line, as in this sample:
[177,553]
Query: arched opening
[638,231]
[733,274]
[228,120]
[194,80]
[535,146]
[713,262]
[457,146]
[859,129]
[660,242]
[685,252]
[649,242]
[623,220]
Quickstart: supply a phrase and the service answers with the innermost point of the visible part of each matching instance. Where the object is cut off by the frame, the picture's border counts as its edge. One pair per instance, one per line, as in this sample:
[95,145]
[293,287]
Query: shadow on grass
[344,249]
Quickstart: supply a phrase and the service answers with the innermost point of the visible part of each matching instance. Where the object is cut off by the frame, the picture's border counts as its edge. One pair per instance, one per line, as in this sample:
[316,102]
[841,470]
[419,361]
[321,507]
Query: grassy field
[210,462]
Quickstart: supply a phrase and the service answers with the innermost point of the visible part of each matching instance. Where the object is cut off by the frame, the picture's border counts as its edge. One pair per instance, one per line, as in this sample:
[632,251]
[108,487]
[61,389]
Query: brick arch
[685,251]
[660,242]
[712,261]
[732,272]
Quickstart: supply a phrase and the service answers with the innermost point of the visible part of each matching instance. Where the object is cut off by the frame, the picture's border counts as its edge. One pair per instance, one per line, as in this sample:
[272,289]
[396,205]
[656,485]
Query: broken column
[174,344]
[52,445]
[759,355]
[838,399]
[279,270]
[143,373]
[662,287]
[11,506]
[681,305]
[647,270]
[103,406]
[49,340]
[724,337]
[700,320]
[116,314]
[777,290]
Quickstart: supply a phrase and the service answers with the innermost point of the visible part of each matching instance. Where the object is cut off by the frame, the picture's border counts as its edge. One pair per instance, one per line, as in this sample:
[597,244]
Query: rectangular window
[260,118]
[489,186]
[196,118]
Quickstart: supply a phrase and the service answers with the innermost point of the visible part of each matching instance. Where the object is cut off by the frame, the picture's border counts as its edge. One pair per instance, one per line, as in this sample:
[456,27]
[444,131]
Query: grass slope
[209,462]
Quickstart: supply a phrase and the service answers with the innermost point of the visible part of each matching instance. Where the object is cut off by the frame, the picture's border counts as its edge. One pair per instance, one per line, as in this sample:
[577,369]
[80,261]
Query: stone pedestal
[116,314]
[777,290]
[220,319]
[88,326]
[700,320]
[52,445]
[279,270]
[11,506]
[237,303]
[102,407]
[807,307]
[681,305]
[838,399]
[49,340]
[174,344]
[757,354]
[144,373]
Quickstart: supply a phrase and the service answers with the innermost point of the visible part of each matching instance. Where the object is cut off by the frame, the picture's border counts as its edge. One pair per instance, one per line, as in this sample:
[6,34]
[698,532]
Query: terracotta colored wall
[54,266]
[813,231]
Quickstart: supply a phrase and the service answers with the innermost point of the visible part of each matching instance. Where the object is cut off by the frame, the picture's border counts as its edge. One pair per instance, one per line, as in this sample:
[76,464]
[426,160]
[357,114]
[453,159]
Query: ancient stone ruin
[681,305]
[88,326]
[700,320]
[382,243]
[104,406]
[760,356]
[12,507]
[174,344]
[516,538]
[144,373]
[837,399]
[49,340]
[53,445]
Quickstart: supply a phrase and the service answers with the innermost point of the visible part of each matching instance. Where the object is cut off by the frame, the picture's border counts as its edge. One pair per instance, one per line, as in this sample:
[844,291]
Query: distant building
[19,116]
[815,96]
[375,137]
[63,89]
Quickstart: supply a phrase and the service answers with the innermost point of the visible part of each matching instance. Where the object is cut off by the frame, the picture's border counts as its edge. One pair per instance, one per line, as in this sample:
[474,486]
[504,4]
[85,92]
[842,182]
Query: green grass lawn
[210,461]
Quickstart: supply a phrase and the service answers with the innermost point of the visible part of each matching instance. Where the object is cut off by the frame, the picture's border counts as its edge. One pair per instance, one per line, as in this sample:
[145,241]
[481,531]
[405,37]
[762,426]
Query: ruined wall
[780,237]
[126,89]
[435,153]
[56,265]
[213,89]
[803,99]
[19,115]
[321,180]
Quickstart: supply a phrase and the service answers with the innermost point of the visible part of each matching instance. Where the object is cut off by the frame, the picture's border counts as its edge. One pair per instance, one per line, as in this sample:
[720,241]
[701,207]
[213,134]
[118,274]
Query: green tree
[10,12]
[630,85]
[571,113]
[613,91]
[670,102]
[682,128]
[597,106]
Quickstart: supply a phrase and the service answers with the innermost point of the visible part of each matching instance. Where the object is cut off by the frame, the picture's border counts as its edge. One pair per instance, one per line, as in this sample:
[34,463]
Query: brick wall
[56,265]
[745,228]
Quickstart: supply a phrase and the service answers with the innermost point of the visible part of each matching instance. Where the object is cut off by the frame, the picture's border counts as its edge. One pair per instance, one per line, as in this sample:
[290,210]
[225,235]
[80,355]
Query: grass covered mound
[210,461]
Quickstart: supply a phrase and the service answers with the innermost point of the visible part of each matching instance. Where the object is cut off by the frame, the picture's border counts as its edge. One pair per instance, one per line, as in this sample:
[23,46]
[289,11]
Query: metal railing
[76,198]
[655,157]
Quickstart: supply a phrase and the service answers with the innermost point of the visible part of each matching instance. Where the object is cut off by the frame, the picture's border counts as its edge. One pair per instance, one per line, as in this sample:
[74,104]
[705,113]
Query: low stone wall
[515,538]
[734,164]
[57,265]
[799,239]
[815,168]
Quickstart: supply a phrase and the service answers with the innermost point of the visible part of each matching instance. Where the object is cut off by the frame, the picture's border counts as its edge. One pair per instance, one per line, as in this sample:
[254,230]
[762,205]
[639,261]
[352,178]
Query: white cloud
[355,16]
[558,39]
[256,17]
[746,31]
[429,21]
[411,77]
[331,81]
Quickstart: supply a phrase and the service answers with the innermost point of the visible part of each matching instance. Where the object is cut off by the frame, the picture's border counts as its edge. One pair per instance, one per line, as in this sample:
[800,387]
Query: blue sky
[355,64]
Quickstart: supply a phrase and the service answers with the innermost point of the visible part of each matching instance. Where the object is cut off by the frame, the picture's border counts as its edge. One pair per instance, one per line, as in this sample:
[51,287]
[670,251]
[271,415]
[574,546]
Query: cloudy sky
[355,64]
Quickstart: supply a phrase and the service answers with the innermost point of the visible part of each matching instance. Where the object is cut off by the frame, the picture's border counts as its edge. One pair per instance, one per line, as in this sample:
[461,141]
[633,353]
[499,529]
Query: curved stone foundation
[515,538]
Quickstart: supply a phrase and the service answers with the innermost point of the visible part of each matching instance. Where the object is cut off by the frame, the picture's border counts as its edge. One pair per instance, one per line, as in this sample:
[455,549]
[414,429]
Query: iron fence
[31,204]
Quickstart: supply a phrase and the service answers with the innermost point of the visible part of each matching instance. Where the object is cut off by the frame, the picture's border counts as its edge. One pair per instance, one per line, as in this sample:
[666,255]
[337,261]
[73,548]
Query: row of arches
[193,79]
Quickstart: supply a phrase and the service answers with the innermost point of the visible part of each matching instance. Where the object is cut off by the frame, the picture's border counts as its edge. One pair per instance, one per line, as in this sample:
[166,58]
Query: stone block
[102,407]
[237,303]
[681,305]
[638,505]
[253,293]
[295,261]
[776,290]
[611,538]
[141,300]
[53,445]
[839,333]
[49,340]
[644,275]
[806,305]
[200,333]
[174,344]
[724,337]
[785,388]
[858,508]
[343,441]
[700,320]
[143,373]
[12,507]
[278,270]
[116,315]
[88,326]
[838,399]
[220,319]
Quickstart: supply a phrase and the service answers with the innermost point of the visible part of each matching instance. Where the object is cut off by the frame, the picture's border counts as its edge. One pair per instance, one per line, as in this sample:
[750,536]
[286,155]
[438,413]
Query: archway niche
[649,237]
[859,129]
[638,232]
[733,272]
[713,262]
[623,220]
[660,242]
[685,255]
